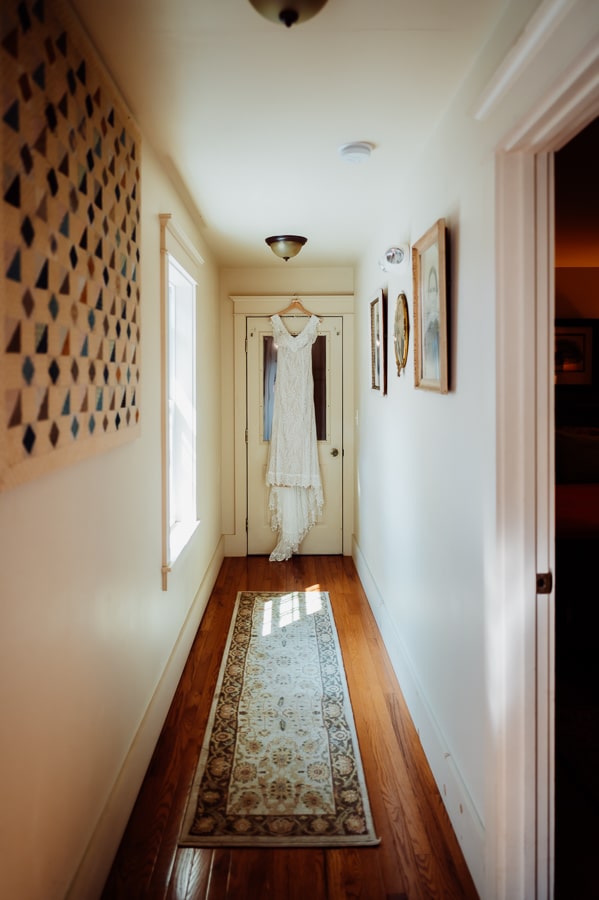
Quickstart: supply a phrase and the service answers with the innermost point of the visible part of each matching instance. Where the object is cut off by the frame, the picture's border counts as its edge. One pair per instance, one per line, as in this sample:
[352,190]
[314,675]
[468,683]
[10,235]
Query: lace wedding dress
[293,472]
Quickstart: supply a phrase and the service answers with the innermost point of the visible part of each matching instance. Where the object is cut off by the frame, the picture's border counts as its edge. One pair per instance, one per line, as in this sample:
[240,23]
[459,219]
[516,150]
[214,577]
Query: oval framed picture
[401,332]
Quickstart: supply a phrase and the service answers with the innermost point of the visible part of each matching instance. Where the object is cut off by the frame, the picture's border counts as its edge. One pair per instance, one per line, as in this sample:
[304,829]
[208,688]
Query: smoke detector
[356,151]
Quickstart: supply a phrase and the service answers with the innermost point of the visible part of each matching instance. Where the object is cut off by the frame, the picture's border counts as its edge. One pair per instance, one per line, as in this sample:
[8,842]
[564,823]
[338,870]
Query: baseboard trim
[97,859]
[462,812]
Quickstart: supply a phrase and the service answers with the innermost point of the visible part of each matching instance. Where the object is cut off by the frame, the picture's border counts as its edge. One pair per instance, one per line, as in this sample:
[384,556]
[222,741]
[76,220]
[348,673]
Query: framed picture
[378,343]
[401,332]
[574,353]
[430,310]
[70,213]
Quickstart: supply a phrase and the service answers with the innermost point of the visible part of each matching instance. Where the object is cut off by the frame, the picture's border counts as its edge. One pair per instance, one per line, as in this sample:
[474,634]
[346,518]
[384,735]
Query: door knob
[334,452]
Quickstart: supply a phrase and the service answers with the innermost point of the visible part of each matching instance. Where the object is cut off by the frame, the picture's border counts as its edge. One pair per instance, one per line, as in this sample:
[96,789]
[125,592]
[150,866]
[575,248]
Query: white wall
[90,647]
[425,542]
[425,505]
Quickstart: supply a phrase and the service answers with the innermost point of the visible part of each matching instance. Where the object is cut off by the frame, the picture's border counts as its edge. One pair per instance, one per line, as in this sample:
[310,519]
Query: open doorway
[522,795]
[577,514]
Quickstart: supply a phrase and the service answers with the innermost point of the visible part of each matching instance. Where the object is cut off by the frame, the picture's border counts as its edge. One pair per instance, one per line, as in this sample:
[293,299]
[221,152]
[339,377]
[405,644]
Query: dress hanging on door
[293,473]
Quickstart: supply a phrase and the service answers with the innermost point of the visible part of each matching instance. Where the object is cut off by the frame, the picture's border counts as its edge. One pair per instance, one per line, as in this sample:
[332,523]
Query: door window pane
[319,372]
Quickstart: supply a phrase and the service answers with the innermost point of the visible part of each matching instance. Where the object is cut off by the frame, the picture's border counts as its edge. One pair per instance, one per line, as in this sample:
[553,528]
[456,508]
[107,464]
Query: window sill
[179,537]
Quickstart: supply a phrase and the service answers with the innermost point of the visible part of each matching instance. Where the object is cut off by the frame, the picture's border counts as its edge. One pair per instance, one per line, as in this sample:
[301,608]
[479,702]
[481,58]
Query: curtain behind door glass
[319,373]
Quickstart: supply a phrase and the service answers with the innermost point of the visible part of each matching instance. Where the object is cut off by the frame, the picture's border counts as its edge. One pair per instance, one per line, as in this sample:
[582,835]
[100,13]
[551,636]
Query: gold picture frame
[429,274]
[401,332]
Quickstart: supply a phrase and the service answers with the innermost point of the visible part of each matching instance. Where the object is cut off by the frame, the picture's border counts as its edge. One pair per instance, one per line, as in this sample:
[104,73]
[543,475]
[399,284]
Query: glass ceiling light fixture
[288,12]
[393,257]
[286,245]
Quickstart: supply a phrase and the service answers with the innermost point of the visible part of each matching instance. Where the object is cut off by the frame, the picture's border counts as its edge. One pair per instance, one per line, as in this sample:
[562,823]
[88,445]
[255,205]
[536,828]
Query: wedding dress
[293,472]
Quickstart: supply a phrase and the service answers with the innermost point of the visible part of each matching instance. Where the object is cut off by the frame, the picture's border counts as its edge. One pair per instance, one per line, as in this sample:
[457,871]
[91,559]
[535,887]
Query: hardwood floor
[419,856]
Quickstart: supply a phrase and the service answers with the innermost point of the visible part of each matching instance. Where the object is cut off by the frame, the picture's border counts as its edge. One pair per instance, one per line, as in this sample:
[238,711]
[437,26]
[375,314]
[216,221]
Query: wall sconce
[286,245]
[288,12]
[393,257]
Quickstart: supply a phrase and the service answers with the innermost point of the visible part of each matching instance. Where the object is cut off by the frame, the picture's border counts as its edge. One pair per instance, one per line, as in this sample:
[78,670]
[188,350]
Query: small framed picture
[430,310]
[378,343]
[574,353]
[401,332]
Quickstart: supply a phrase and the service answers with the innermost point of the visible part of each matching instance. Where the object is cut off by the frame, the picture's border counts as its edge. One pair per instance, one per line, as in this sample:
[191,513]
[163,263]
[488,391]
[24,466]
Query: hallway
[418,857]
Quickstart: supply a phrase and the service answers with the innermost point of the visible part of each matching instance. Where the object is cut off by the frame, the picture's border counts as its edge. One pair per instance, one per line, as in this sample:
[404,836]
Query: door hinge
[544,582]
[246,435]
[246,525]
[246,346]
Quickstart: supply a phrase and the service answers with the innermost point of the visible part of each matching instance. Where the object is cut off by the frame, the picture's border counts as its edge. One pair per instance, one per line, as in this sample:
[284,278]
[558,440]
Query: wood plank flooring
[418,857]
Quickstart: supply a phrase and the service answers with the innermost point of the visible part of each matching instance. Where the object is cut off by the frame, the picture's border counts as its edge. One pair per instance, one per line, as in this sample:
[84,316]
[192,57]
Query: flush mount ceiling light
[393,257]
[286,245]
[356,151]
[288,12]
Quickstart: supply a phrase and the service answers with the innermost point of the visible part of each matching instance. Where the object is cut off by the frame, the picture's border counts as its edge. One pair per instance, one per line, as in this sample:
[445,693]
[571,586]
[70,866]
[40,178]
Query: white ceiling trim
[540,27]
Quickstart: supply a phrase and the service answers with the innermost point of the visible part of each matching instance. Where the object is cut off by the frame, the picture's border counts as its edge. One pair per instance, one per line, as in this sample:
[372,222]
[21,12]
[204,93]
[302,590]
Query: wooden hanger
[296,305]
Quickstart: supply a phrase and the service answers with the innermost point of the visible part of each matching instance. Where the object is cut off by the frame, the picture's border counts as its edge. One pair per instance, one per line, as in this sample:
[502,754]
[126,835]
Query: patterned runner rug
[280,764]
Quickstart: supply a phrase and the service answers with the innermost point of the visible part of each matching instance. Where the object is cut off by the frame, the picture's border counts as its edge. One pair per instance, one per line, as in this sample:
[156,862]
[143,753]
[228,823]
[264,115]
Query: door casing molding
[520,825]
[268,305]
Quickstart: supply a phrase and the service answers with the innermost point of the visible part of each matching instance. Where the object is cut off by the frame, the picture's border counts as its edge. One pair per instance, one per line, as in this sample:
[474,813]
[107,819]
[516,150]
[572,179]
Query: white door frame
[520,824]
[268,305]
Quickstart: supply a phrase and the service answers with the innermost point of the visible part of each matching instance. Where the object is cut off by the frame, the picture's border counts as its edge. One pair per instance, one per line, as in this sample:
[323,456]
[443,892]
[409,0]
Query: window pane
[181,408]
[319,372]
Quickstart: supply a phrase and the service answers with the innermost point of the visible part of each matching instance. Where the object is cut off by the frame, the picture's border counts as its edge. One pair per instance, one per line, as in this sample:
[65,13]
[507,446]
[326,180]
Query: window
[182,501]
[180,273]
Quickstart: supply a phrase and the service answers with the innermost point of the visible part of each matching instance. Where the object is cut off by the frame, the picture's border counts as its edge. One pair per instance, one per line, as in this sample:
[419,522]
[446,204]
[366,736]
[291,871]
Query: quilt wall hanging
[70,245]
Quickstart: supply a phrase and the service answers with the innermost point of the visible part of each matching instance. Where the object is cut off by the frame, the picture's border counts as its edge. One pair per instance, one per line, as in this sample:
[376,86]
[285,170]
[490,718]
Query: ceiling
[247,116]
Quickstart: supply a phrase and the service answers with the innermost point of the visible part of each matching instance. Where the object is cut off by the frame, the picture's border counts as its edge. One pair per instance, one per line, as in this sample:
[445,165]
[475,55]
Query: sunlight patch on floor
[289,608]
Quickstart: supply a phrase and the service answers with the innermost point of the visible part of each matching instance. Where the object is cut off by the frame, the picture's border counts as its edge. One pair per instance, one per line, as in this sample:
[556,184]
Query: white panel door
[327,535]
